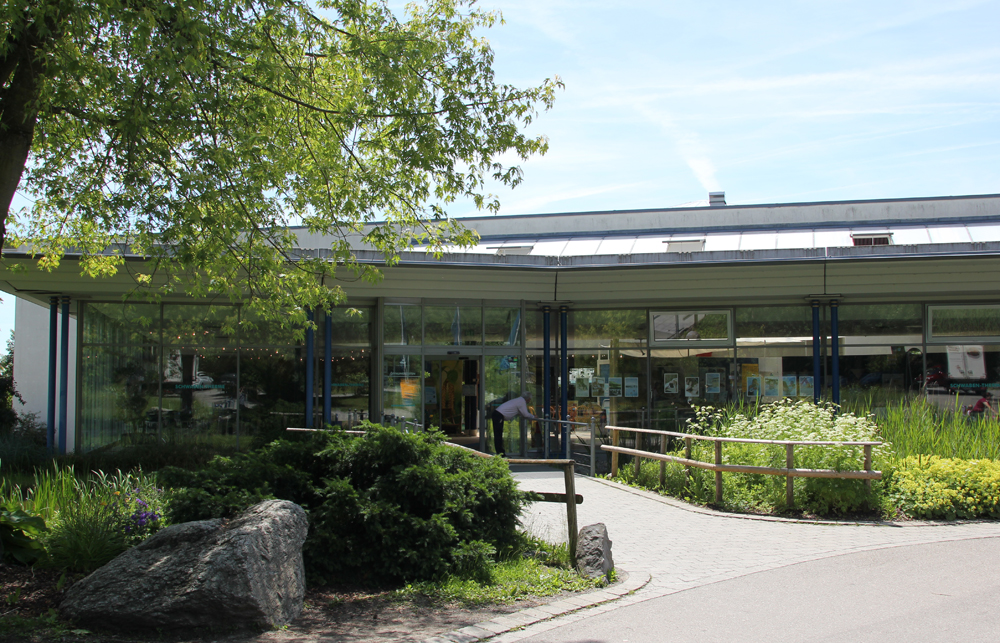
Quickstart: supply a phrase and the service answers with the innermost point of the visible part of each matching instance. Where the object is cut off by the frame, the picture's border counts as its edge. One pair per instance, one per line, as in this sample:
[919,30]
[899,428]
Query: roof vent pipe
[716,199]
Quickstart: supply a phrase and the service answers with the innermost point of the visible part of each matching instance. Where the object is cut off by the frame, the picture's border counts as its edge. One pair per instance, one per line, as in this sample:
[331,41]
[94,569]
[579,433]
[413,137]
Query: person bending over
[507,411]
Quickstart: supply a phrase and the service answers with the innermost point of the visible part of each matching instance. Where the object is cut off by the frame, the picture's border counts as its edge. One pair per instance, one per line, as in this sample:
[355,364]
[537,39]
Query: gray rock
[593,552]
[210,574]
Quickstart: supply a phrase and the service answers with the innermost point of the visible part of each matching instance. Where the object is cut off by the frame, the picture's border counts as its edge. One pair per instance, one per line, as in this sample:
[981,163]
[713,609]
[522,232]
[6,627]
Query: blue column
[547,361]
[835,352]
[817,364]
[310,359]
[564,377]
[63,375]
[327,368]
[50,435]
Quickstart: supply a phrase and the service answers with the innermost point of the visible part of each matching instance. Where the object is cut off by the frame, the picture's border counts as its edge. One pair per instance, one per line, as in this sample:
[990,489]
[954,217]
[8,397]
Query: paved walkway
[682,548]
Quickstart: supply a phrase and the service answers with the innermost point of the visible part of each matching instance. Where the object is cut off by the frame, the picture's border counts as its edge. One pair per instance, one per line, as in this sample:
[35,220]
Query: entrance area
[451,398]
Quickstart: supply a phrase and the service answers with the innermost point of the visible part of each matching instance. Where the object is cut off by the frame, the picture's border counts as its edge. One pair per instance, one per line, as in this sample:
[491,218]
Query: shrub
[389,506]
[935,487]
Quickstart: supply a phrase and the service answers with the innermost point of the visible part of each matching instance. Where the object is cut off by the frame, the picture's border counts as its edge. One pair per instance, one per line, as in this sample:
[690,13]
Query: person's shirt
[981,405]
[517,406]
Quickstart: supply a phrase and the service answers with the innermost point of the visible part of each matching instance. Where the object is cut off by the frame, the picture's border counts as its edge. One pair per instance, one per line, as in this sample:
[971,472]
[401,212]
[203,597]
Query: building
[627,317]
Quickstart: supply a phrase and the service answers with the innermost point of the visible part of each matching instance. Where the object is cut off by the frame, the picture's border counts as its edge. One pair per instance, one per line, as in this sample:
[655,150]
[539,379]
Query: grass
[510,581]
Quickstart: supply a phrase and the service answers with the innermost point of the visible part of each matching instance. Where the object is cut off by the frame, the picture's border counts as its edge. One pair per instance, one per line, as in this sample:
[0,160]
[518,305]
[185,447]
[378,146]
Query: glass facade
[168,372]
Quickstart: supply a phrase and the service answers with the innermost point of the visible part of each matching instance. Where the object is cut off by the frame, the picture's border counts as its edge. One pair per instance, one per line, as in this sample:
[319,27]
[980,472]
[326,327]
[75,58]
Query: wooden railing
[790,472]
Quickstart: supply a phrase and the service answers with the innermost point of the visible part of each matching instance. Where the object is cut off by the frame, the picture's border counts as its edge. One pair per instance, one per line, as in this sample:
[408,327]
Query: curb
[516,620]
[680,504]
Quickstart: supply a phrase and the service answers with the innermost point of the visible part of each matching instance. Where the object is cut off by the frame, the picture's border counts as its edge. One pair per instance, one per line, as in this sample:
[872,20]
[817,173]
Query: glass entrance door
[451,398]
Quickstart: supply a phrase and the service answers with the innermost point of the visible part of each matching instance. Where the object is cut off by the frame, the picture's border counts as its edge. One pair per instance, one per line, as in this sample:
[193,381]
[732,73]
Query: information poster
[772,386]
[583,387]
[631,387]
[806,385]
[713,383]
[748,371]
[670,386]
[692,386]
[966,363]
[599,388]
[789,386]
[614,386]
[430,395]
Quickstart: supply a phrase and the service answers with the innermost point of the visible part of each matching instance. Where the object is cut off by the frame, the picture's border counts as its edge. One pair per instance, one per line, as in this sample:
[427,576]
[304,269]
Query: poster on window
[430,395]
[670,383]
[789,386]
[615,386]
[753,386]
[966,363]
[598,388]
[631,387]
[692,386]
[713,383]
[583,387]
[772,386]
[806,385]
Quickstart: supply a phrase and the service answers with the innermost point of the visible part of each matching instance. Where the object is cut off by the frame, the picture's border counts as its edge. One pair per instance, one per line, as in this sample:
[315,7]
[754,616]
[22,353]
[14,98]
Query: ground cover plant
[79,523]
[388,507]
[787,420]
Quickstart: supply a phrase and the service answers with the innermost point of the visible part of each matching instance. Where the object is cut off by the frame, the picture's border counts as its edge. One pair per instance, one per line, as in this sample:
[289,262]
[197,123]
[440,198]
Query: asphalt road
[943,591]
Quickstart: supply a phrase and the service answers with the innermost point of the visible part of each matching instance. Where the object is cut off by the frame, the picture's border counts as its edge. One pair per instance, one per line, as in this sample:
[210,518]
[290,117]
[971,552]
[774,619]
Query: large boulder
[593,552]
[209,574]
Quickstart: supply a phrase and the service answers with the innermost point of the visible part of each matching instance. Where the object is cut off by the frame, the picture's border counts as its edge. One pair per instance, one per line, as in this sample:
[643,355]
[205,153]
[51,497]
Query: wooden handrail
[790,472]
[695,436]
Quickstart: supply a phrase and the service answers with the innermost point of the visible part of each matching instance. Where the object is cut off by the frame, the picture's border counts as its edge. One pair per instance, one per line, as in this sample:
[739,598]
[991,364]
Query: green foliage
[920,427]
[231,119]
[388,506]
[786,420]
[946,488]
[19,535]
[509,581]
[92,519]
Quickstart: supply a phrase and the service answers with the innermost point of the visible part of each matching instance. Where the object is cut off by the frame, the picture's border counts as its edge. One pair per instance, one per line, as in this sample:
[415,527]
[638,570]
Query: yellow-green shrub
[936,487]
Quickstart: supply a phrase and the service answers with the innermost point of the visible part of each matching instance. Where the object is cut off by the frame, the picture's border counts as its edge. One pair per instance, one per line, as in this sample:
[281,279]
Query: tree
[193,133]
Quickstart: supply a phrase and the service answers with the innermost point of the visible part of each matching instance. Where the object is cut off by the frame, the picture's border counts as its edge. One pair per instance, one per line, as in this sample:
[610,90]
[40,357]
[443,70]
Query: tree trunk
[24,67]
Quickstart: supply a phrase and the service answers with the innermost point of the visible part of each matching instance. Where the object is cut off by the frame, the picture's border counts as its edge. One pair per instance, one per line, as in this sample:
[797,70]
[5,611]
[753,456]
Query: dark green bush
[386,507]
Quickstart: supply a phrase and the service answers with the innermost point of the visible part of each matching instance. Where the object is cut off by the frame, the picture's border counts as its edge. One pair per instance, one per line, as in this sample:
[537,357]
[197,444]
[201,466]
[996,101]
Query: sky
[771,102]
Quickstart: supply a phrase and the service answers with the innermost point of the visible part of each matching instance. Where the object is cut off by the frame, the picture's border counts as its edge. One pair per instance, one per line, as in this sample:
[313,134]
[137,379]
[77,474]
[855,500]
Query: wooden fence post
[614,454]
[687,456]
[718,474]
[789,481]
[571,511]
[868,465]
[663,464]
[638,460]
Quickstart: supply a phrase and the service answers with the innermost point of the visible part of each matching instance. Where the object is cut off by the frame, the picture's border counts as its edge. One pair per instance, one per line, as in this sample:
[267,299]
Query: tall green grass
[919,427]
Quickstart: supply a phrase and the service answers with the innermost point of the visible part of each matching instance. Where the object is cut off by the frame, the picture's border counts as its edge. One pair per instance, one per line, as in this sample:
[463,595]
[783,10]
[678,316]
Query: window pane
[682,380]
[119,393]
[503,326]
[401,325]
[690,325]
[200,394]
[453,325]
[272,392]
[350,328]
[882,324]
[965,321]
[121,323]
[401,388]
[617,329]
[199,325]
[784,322]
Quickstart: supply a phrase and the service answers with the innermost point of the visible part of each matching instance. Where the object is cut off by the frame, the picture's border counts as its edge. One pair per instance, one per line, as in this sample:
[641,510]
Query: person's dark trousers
[498,420]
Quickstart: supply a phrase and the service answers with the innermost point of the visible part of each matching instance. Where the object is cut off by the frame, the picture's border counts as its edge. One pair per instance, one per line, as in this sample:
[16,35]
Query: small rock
[207,574]
[593,552]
